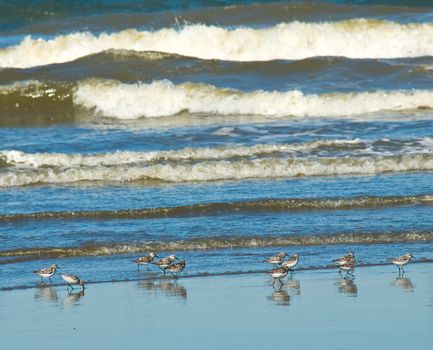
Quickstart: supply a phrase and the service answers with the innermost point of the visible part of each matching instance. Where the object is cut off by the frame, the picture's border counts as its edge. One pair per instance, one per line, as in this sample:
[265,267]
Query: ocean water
[218,131]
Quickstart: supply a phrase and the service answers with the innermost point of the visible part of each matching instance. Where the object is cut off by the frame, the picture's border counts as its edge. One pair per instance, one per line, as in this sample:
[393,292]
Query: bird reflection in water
[404,283]
[73,297]
[294,286]
[347,286]
[166,287]
[45,292]
[282,294]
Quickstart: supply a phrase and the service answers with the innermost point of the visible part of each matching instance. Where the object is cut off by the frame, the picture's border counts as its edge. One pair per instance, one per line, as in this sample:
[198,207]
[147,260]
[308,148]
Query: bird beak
[156,256]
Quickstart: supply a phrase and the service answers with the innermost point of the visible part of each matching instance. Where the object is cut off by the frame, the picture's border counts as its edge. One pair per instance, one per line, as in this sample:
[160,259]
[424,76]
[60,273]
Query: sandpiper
[401,261]
[72,279]
[344,259]
[165,262]
[291,262]
[145,260]
[47,273]
[175,268]
[276,259]
[278,273]
[349,267]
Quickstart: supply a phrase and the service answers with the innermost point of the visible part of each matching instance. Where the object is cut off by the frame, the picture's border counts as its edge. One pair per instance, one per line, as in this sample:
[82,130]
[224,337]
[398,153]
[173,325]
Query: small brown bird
[401,261]
[72,279]
[291,262]
[276,259]
[145,260]
[165,262]
[176,268]
[343,259]
[278,273]
[349,267]
[47,273]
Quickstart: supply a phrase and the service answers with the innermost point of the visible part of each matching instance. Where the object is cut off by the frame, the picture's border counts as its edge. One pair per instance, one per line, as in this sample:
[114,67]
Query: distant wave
[262,205]
[113,99]
[356,38]
[25,254]
[217,170]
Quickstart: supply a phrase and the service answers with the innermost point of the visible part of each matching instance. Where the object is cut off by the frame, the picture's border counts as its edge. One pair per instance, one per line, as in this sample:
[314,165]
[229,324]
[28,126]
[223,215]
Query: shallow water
[220,131]
[314,309]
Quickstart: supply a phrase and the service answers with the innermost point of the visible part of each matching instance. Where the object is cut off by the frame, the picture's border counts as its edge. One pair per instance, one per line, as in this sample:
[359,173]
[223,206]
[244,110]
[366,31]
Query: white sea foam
[214,170]
[114,99]
[21,159]
[357,38]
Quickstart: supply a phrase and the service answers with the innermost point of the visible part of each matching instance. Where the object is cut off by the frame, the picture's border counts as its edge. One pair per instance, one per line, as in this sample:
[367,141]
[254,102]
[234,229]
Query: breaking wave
[131,101]
[356,38]
[217,170]
[114,99]
[41,160]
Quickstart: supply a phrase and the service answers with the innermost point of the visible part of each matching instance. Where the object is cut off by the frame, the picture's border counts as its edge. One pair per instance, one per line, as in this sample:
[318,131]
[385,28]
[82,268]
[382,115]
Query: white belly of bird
[46,275]
[275,261]
[400,263]
[278,274]
[69,279]
[291,265]
[346,268]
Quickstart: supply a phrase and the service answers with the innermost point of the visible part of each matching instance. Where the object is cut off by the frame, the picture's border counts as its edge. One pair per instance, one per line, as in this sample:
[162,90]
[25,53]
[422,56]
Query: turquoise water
[219,131]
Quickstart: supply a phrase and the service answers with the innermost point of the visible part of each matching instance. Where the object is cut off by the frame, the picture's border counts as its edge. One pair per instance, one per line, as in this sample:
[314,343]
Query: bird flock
[345,263]
[165,264]
[281,269]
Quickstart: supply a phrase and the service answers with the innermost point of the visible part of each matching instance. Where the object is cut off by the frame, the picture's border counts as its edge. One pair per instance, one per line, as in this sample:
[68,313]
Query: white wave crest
[37,160]
[114,99]
[357,38]
[211,170]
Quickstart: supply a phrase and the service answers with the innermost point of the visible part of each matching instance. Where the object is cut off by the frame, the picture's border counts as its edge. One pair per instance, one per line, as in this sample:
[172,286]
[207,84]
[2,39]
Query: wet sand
[314,310]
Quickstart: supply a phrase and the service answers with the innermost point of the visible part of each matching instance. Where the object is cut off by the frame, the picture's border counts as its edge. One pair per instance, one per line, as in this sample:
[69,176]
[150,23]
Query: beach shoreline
[154,275]
[315,309]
